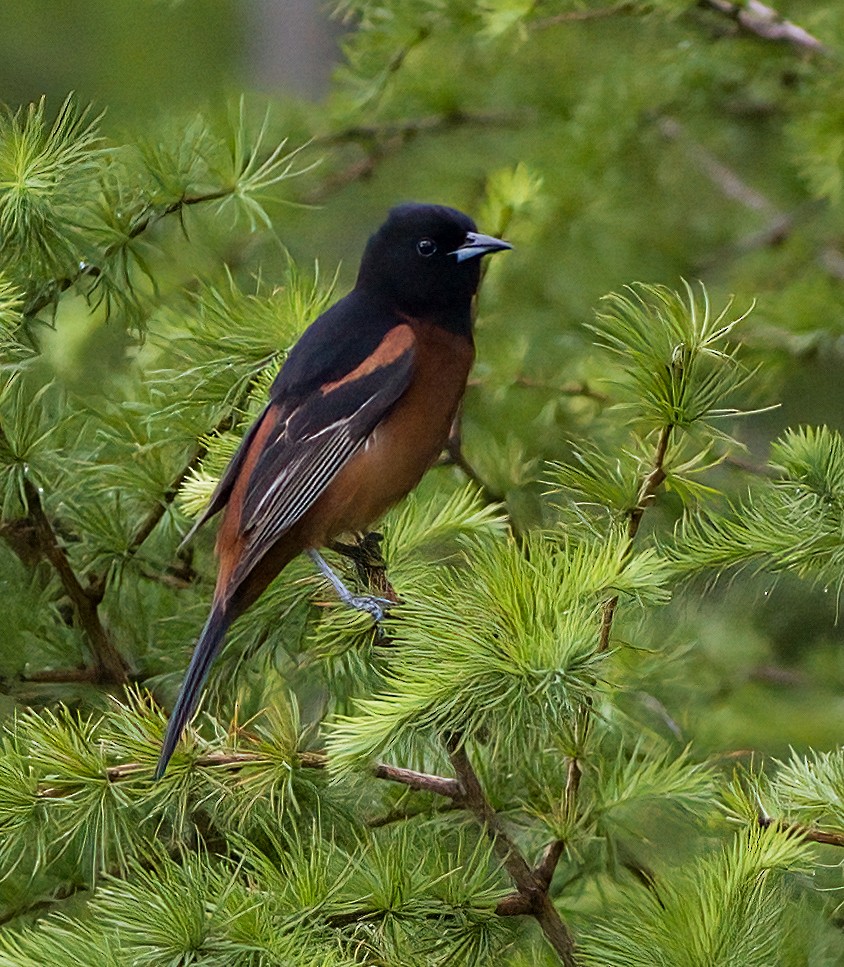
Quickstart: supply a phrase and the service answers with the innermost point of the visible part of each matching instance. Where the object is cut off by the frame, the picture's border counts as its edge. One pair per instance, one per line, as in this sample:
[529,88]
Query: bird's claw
[371,605]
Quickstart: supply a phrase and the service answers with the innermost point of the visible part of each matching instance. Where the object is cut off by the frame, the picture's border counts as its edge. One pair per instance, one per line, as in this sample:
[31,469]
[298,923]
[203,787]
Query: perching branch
[369,563]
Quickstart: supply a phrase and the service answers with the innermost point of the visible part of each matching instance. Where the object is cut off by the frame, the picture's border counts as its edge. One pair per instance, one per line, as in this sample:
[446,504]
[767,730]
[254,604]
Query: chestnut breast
[405,443]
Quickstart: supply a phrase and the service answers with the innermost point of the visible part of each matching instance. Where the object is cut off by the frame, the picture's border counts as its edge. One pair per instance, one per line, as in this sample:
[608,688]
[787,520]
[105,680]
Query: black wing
[336,344]
[311,441]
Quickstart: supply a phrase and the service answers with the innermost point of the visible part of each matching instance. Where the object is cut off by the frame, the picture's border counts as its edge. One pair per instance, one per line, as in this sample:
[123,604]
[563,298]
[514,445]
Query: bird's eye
[426,247]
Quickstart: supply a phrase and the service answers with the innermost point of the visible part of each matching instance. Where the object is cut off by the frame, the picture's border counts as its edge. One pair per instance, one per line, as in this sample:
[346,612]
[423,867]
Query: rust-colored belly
[405,443]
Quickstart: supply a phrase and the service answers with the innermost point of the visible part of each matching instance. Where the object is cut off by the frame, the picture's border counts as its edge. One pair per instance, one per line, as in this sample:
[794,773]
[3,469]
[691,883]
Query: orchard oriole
[361,408]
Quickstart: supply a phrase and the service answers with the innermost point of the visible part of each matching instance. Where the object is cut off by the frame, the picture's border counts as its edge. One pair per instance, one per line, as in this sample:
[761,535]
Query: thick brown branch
[516,904]
[110,664]
[544,870]
[763,21]
[420,781]
[532,888]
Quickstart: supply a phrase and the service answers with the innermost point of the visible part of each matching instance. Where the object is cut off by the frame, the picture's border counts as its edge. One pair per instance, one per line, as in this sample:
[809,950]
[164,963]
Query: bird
[361,408]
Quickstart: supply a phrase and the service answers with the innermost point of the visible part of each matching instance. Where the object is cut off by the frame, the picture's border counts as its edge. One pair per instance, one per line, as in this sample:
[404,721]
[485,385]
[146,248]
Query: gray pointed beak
[476,245]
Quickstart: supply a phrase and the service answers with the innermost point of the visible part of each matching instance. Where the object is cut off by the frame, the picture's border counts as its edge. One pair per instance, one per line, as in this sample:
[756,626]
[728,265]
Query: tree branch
[581,16]
[148,218]
[781,224]
[532,885]
[421,781]
[110,664]
[647,492]
[369,563]
[454,455]
[804,832]
[763,21]
[380,141]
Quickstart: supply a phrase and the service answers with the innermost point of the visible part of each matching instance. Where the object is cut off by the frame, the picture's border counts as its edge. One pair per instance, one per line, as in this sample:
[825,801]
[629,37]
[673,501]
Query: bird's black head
[426,260]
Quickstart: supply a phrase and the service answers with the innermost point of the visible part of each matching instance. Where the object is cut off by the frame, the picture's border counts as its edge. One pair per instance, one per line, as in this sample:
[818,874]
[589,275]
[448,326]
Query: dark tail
[204,654]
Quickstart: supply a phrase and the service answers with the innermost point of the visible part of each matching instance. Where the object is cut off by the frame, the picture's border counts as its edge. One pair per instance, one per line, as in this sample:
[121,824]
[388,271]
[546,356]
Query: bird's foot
[360,602]
[371,604]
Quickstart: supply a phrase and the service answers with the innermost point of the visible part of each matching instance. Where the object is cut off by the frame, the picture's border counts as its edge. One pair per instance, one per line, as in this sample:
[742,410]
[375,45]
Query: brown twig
[647,492]
[531,884]
[765,22]
[379,142]
[150,216]
[109,662]
[454,455]
[804,832]
[421,781]
[211,760]
[581,16]
[781,224]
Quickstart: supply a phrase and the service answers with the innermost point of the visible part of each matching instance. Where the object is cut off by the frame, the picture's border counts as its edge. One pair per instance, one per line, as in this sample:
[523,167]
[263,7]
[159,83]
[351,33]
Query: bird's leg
[360,602]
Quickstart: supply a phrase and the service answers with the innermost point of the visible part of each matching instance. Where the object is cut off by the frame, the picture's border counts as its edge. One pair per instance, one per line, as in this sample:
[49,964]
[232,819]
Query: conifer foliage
[512,768]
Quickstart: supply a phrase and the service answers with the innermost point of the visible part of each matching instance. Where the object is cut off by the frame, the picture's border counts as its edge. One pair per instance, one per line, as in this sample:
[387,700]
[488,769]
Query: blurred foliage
[627,619]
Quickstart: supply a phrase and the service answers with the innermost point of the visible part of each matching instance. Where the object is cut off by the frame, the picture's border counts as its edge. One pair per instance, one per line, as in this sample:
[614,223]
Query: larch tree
[544,754]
